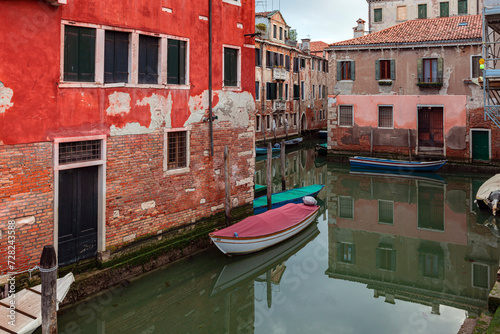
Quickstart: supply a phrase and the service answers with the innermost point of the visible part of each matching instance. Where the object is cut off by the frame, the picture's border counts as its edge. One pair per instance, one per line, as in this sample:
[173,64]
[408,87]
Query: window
[79,54]
[271,91]
[257,90]
[346,116]
[230,67]
[444,9]
[462,7]
[401,13]
[286,92]
[257,123]
[287,63]
[385,117]
[312,64]
[319,91]
[475,70]
[302,90]
[346,253]
[258,57]
[281,33]
[422,11]
[268,122]
[295,119]
[346,207]
[148,59]
[384,69]
[480,276]
[377,15]
[345,70]
[296,92]
[314,92]
[280,90]
[430,70]
[177,149]
[79,151]
[385,212]
[275,30]
[302,63]
[296,65]
[176,62]
[386,258]
[116,52]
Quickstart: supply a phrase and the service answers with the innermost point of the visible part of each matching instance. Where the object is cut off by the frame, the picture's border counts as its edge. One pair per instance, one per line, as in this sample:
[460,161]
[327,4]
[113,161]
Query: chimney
[360,29]
[306,45]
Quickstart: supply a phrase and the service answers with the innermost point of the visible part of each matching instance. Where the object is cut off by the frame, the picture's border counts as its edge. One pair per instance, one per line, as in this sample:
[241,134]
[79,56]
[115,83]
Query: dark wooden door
[430,127]
[480,145]
[77,214]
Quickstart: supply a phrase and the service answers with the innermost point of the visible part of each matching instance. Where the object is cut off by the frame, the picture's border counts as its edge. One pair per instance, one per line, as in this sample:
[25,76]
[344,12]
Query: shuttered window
[385,69]
[444,9]
[430,70]
[385,259]
[79,54]
[296,65]
[302,90]
[116,52]
[345,116]
[385,212]
[377,15]
[422,11]
[462,7]
[271,91]
[287,63]
[257,90]
[346,253]
[346,207]
[176,62]
[177,149]
[476,71]
[345,70]
[258,57]
[296,92]
[286,92]
[230,67]
[385,117]
[148,59]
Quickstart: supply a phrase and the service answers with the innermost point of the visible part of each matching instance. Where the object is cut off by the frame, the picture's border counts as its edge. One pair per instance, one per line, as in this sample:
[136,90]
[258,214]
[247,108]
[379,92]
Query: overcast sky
[322,20]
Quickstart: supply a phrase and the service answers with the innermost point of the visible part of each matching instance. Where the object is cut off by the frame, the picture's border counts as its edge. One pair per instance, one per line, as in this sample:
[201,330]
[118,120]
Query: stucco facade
[142,142]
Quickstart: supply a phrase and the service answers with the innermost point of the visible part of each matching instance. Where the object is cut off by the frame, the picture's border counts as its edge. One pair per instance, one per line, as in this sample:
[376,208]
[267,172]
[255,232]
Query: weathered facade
[290,82]
[383,14]
[410,89]
[105,135]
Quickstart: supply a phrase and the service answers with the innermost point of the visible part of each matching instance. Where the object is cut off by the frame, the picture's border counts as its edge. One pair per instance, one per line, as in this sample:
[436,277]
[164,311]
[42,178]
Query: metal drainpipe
[210,78]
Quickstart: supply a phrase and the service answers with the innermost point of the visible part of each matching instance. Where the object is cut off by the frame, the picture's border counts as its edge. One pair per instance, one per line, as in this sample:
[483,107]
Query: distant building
[290,81]
[410,88]
[383,14]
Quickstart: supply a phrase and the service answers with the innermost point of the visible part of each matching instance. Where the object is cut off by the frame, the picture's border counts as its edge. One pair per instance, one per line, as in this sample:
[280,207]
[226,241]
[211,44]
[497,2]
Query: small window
[346,116]
[287,63]
[257,90]
[176,62]
[462,7]
[377,15]
[302,90]
[401,13]
[280,91]
[385,117]
[345,70]
[346,207]
[148,59]
[475,70]
[480,276]
[296,92]
[385,70]
[295,65]
[230,67]
[319,91]
[116,52]
[302,63]
[79,54]
[385,258]
[286,92]
[258,57]
[271,91]
[312,64]
[281,33]
[314,92]
[268,122]
[422,11]
[275,29]
[346,253]
[444,9]
[430,70]
[176,149]
[385,212]
[257,123]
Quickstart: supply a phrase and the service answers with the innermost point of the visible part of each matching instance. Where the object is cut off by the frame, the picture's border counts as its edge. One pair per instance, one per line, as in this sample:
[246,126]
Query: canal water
[388,253]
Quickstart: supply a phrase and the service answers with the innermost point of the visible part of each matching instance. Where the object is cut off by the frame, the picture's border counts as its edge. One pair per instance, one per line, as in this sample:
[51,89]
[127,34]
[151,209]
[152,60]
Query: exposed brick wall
[26,195]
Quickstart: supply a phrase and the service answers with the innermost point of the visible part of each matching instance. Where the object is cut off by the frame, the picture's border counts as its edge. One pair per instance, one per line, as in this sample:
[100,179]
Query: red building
[105,134]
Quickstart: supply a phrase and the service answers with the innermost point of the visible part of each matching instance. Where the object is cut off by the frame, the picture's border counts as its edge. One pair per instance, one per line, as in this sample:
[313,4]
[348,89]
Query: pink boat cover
[268,222]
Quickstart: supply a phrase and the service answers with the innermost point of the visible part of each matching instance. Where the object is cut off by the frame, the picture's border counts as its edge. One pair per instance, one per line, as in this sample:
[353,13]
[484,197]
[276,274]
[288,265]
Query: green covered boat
[285,197]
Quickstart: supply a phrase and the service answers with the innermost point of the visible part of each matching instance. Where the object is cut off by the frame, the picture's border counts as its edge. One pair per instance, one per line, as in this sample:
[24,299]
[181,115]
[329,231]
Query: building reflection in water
[410,238]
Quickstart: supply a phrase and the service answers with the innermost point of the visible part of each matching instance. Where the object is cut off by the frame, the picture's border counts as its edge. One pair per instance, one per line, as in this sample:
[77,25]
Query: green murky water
[387,254]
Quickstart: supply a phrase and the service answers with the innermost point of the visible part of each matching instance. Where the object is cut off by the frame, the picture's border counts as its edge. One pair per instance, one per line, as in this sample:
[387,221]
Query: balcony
[279,73]
[279,105]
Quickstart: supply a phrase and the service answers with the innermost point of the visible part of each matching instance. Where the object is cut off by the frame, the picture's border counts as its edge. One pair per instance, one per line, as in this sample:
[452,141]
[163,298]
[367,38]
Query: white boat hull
[238,246]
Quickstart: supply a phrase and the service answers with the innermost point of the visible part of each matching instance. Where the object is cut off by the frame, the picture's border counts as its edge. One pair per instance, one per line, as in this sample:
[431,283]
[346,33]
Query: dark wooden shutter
[79,54]
[393,69]
[258,57]
[339,70]
[257,90]
[420,70]
[116,56]
[422,11]
[71,53]
[287,62]
[440,69]
[444,9]
[377,69]
[353,71]
[230,67]
[148,59]
[269,61]
[173,62]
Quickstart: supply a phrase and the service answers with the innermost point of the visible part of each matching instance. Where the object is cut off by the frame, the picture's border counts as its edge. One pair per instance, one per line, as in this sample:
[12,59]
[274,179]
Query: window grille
[177,148]
[79,151]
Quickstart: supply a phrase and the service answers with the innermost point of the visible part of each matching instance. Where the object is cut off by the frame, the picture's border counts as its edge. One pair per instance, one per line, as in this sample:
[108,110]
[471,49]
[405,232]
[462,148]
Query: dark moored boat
[399,165]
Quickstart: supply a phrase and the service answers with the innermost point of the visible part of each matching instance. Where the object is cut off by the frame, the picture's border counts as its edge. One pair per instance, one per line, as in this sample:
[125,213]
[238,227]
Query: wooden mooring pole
[48,272]
[228,186]
[409,143]
[269,180]
[283,182]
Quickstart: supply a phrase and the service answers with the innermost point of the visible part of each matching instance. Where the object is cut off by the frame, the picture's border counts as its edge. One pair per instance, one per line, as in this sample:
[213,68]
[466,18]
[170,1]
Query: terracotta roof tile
[318,46]
[455,28]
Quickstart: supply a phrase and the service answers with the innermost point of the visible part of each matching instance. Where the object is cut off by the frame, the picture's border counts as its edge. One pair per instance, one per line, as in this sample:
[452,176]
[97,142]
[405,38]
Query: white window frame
[238,68]
[257,94]
[471,66]
[181,170]
[258,122]
[378,116]
[133,59]
[351,199]
[233,2]
[389,202]
[352,120]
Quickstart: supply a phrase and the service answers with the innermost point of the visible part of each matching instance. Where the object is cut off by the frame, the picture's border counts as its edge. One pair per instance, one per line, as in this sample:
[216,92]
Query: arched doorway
[303,123]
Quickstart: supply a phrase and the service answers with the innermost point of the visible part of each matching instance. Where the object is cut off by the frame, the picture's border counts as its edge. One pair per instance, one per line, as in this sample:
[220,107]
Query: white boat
[488,195]
[264,230]
[28,307]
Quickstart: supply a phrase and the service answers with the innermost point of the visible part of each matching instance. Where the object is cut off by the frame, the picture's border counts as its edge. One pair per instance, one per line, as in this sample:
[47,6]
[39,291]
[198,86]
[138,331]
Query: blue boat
[285,197]
[263,150]
[396,165]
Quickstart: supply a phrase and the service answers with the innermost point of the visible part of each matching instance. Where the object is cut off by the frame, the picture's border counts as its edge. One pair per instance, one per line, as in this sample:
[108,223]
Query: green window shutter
[116,56]
[444,9]
[148,59]
[182,62]
[393,260]
[71,53]
[86,59]
[393,69]
[420,70]
[377,69]
[462,7]
[422,11]
[230,67]
[339,71]
[377,15]
[173,72]
[440,69]
[109,56]
[353,71]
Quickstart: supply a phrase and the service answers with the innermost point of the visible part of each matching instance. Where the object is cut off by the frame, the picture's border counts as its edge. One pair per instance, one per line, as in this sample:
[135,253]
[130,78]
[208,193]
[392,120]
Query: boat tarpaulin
[269,222]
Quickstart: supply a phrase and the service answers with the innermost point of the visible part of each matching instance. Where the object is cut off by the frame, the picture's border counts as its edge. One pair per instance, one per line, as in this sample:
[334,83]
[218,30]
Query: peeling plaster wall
[5,98]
